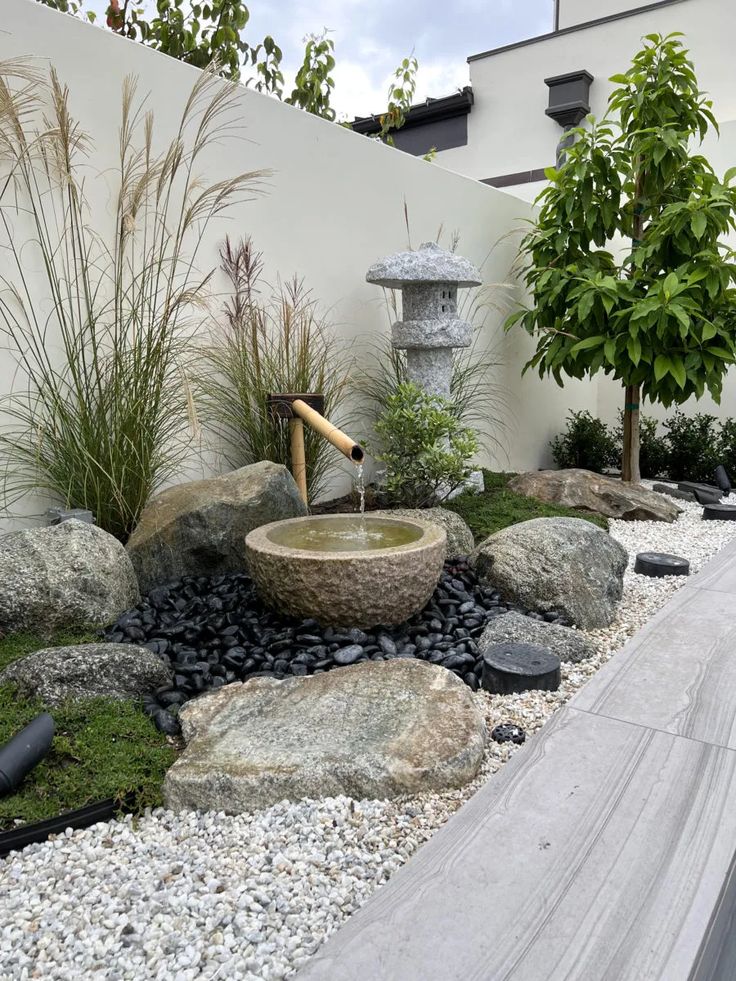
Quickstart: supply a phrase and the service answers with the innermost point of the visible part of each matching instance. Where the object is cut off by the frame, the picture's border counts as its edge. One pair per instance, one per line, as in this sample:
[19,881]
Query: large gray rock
[593,492]
[68,575]
[562,564]
[459,537]
[57,674]
[568,644]
[198,528]
[373,730]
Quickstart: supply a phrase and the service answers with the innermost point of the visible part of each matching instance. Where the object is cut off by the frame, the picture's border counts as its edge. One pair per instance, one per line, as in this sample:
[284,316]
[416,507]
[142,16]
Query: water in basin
[345,534]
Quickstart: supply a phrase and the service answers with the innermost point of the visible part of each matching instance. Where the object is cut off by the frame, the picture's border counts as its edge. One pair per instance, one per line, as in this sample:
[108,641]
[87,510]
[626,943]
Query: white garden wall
[334,205]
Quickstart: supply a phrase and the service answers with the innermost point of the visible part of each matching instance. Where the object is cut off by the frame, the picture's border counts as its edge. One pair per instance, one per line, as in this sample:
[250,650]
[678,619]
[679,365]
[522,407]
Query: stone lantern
[429,279]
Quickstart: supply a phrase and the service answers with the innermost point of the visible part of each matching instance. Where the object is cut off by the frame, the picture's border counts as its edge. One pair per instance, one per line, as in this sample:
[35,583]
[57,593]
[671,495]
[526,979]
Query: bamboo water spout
[340,440]
[297,410]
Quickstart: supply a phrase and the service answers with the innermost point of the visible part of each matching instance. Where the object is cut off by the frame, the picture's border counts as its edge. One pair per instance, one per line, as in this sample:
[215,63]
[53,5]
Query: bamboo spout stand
[308,408]
[298,461]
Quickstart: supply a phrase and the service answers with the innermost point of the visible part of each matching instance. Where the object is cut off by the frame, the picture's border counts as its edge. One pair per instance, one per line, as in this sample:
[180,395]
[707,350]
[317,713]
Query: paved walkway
[605,850]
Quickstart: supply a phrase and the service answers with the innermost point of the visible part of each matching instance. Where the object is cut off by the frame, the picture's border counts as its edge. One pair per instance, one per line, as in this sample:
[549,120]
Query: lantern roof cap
[427,264]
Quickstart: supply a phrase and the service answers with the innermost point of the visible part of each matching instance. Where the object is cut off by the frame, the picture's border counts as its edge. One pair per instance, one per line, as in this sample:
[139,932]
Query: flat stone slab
[672,490]
[568,644]
[674,674]
[595,493]
[373,730]
[719,512]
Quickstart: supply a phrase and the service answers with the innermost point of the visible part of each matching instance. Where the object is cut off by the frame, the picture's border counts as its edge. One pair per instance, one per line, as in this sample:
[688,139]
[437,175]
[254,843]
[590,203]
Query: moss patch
[102,748]
[18,645]
[498,507]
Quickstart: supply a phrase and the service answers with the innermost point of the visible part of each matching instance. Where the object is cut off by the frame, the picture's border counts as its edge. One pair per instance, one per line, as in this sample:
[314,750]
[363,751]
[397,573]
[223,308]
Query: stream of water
[360,484]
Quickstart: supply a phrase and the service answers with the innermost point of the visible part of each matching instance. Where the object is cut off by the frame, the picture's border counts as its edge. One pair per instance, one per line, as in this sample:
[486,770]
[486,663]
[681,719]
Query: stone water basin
[347,570]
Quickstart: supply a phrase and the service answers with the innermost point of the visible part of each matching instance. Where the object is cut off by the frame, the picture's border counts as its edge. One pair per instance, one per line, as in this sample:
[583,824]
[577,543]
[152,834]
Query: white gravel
[251,897]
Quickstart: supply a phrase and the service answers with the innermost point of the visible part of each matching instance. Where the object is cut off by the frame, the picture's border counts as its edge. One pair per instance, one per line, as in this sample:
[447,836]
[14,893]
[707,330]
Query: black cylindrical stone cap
[515,667]
[719,512]
[659,564]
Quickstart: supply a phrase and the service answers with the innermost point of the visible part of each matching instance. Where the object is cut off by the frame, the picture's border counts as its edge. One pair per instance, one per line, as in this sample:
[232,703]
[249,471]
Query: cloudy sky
[372,36]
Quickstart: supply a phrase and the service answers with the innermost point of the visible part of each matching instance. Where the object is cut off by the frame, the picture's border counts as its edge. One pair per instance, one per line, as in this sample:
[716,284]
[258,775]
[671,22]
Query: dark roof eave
[433,110]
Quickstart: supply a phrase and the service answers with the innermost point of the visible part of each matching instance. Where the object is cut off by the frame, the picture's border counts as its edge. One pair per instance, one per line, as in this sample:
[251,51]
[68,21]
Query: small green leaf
[698,224]
[587,344]
[661,366]
[670,284]
[722,353]
[633,346]
[677,370]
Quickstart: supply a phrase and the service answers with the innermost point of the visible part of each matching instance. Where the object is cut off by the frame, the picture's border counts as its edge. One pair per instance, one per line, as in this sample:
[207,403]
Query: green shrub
[425,449]
[586,444]
[694,448]
[654,453]
[727,447]
[269,344]
[690,449]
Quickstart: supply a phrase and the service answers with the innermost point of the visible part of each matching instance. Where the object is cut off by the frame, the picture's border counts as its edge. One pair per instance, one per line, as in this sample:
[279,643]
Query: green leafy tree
[400,97]
[71,7]
[658,315]
[200,34]
[211,33]
[314,83]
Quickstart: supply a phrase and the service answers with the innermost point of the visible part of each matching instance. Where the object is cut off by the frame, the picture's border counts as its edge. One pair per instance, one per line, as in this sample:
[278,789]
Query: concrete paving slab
[678,674]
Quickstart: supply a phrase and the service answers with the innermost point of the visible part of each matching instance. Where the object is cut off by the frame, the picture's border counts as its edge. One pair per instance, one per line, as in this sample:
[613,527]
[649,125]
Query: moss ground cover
[18,645]
[497,507]
[102,748]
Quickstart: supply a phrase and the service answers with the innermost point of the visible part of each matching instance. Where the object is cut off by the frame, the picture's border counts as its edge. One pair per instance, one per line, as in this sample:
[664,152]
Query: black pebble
[348,655]
[215,631]
[508,733]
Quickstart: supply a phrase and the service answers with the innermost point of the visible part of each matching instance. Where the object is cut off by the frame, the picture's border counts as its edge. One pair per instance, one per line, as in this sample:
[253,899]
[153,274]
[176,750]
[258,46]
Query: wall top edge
[574,28]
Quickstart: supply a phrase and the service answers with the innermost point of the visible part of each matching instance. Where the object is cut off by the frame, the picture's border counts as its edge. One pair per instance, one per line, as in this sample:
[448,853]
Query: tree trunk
[630,466]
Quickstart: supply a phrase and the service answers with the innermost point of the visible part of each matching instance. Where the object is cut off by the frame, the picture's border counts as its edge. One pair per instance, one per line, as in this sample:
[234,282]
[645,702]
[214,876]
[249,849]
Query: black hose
[21,753]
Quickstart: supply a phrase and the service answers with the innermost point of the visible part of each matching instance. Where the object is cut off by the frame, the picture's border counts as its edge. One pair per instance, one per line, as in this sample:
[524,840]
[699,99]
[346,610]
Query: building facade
[523,95]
